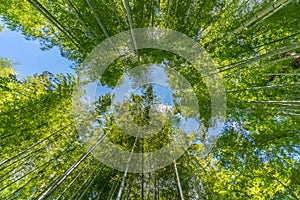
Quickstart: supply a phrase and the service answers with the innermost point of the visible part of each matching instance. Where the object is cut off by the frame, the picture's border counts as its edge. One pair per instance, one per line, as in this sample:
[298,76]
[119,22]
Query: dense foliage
[255,45]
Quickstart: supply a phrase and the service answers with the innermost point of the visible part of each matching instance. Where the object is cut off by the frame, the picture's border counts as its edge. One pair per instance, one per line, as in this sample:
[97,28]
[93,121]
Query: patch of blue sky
[28,58]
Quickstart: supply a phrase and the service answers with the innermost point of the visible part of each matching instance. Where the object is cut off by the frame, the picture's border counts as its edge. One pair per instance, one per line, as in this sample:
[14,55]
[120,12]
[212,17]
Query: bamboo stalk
[168,13]
[117,14]
[54,21]
[126,171]
[84,182]
[262,65]
[263,56]
[47,194]
[34,145]
[79,17]
[70,184]
[90,184]
[265,87]
[271,9]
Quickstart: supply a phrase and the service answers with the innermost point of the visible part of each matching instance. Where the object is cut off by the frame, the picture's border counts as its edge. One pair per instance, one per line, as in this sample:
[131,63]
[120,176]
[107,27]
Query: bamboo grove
[255,45]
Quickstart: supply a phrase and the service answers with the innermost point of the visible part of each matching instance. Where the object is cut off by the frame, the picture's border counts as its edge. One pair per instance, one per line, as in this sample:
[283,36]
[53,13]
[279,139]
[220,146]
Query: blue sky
[28,57]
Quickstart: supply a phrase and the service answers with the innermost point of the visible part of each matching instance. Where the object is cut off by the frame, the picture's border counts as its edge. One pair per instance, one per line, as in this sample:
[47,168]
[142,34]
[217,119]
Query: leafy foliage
[255,45]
